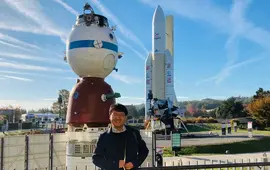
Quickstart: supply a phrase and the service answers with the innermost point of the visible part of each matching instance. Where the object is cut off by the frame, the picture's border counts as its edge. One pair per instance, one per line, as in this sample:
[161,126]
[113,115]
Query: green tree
[260,93]
[230,108]
[60,106]
[42,110]
[141,111]
[132,111]
[212,113]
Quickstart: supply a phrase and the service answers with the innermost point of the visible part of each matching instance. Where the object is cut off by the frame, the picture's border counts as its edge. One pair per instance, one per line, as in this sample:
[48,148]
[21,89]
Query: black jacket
[112,147]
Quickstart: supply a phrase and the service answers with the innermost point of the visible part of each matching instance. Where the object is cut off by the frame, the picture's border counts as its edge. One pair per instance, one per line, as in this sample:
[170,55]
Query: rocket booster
[159,65]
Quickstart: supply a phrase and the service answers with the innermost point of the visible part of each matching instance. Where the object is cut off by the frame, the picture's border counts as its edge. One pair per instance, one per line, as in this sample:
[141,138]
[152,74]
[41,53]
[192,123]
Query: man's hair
[119,108]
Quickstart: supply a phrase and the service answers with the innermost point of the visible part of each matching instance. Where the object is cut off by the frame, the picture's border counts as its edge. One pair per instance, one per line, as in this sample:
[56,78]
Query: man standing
[121,147]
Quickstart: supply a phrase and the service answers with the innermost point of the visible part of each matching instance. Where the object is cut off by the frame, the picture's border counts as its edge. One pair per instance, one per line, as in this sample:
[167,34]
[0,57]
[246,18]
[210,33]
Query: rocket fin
[148,82]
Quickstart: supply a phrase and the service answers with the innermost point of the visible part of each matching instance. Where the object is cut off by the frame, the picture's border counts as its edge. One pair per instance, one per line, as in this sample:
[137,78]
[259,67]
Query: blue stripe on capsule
[90,43]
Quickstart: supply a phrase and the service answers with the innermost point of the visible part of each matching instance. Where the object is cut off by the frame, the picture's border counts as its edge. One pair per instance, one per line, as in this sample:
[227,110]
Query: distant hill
[207,103]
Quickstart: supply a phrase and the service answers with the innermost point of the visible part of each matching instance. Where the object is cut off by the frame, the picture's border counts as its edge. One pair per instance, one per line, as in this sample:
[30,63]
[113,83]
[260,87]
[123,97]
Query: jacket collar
[113,130]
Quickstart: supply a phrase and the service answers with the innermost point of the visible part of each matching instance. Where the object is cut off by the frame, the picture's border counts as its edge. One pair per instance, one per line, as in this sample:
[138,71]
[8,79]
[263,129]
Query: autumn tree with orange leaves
[259,108]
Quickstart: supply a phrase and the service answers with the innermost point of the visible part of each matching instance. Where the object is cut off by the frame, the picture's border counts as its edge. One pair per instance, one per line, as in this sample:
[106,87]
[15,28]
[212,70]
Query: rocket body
[158,57]
[159,65]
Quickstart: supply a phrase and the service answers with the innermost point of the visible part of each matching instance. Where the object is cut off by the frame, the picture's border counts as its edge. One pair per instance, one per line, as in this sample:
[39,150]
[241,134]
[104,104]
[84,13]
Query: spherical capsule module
[92,50]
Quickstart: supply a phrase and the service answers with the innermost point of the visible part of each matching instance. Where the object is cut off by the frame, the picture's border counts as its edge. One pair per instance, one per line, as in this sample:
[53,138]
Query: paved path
[238,137]
[216,159]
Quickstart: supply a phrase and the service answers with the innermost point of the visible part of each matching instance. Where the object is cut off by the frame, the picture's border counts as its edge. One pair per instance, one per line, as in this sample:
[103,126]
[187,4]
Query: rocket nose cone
[159,8]
[158,14]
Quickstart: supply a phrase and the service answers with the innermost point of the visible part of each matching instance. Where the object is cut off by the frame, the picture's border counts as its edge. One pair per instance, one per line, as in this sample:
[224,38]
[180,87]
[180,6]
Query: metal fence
[234,166]
[44,151]
[53,163]
[251,166]
[221,165]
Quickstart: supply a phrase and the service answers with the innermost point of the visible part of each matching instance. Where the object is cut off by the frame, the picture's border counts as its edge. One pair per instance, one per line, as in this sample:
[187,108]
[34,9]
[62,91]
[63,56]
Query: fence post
[26,160]
[51,152]
[153,148]
[2,153]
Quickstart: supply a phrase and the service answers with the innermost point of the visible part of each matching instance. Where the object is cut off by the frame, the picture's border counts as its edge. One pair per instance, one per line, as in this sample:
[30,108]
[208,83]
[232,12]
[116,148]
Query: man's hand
[121,163]
[129,165]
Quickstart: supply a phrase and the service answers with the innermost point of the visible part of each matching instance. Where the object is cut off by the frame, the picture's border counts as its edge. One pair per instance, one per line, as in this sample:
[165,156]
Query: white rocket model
[159,66]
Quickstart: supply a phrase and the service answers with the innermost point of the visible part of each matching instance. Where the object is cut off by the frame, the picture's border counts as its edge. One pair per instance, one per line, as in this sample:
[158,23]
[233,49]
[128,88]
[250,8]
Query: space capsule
[92,53]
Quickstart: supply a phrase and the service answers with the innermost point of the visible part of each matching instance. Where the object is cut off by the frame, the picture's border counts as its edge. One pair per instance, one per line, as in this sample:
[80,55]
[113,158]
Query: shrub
[212,120]
[200,120]
[232,121]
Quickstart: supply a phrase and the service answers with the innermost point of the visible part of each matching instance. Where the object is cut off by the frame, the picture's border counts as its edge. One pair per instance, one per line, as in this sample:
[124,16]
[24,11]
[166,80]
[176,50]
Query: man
[121,147]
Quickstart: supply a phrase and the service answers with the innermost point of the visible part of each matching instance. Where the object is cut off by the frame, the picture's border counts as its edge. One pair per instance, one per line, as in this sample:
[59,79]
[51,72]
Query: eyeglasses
[118,115]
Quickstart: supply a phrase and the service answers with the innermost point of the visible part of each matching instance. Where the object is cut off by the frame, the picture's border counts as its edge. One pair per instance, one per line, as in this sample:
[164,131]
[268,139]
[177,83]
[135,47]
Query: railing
[259,165]
[56,155]
[221,164]
[251,165]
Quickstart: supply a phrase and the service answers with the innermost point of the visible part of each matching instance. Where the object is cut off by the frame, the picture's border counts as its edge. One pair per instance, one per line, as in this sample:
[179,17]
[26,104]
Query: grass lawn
[251,146]
[192,128]
[255,132]
[215,128]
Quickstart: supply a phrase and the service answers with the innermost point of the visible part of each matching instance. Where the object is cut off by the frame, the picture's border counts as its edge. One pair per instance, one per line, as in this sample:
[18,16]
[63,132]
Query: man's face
[118,119]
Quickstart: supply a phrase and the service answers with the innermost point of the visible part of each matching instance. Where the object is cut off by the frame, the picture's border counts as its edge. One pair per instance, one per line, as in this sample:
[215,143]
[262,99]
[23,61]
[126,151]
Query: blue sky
[222,48]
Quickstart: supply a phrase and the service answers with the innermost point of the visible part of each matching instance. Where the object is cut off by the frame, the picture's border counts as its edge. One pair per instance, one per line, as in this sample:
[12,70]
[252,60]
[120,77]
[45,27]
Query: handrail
[229,165]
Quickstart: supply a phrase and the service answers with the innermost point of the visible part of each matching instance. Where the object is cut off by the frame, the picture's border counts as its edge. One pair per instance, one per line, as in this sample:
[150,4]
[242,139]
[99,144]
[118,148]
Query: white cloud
[125,31]
[237,23]
[27,104]
[132,98]
[122,42]
[181,97]
[124,78]
[33,10]
[237,20]
[17,78]
[17,41]
[37,74]
[28,67]
[129,101]
[67,7]
[14,46]
[220,76]
[29,57]
[218,97]
[71,78]
[19,44]
[16,24]
[21,56]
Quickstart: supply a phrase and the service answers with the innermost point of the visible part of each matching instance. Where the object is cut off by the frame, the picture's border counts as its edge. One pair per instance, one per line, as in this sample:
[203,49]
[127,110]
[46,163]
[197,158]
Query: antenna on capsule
[86,7]
[88,17]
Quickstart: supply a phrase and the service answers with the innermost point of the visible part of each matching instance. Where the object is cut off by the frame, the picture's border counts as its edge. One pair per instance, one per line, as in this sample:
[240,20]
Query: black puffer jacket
[112,147]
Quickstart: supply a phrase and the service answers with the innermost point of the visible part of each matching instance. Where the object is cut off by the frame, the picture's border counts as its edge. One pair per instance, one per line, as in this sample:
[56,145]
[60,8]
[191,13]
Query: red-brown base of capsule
[85,105]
